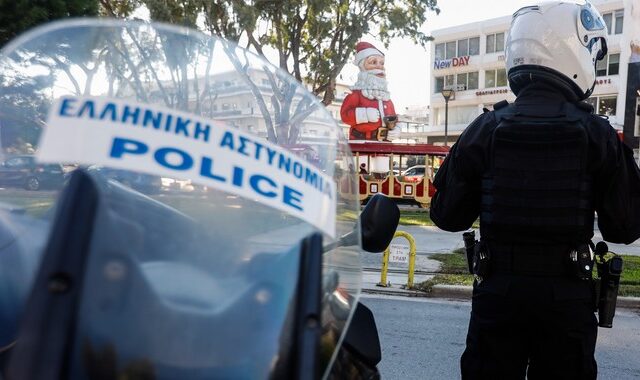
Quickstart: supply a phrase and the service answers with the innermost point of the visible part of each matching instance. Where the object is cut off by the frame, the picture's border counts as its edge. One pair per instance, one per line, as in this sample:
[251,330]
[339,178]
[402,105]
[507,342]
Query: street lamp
[447,94]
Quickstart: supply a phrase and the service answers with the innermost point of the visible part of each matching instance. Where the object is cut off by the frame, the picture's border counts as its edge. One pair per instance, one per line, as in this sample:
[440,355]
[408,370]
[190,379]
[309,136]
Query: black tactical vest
[537,190]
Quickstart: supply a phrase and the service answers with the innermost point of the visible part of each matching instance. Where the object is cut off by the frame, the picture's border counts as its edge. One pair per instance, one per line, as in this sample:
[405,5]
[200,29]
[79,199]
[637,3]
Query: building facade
[470,59]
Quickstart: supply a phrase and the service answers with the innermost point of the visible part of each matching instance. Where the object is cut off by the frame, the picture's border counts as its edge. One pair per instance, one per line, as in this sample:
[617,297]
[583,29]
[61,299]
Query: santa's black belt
[527,260]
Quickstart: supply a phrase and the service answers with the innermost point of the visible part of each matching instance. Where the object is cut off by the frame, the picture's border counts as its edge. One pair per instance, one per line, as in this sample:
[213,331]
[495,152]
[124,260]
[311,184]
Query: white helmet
[556,42]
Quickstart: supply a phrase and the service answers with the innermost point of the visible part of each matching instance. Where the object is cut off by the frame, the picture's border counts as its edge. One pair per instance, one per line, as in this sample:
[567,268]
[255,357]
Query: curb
[628,302]
[455,292]
[463,293]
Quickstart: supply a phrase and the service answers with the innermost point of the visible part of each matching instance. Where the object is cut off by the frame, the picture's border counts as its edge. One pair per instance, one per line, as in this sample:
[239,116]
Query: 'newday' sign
[165,142]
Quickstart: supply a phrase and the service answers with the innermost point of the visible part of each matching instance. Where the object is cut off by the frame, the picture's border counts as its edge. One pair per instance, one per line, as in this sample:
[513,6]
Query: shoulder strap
[578,111]
[502,110]
[570,111]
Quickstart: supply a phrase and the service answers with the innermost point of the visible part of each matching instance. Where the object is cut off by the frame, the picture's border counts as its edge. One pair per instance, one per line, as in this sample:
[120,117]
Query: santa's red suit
[354,113]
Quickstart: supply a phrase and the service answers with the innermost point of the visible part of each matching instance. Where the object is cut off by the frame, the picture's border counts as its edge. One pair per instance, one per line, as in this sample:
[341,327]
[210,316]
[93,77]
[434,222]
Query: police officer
[534,172]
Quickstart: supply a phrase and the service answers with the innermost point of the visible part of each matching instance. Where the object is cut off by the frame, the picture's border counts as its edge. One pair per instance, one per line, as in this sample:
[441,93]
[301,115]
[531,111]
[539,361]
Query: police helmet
[558,43]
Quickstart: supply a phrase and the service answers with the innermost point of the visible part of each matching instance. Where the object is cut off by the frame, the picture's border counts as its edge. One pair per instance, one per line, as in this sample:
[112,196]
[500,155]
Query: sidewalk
[430,240]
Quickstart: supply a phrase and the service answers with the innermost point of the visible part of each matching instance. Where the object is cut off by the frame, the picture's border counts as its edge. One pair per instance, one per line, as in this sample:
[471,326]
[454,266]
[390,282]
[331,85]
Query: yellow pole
[385,267]
[412,260]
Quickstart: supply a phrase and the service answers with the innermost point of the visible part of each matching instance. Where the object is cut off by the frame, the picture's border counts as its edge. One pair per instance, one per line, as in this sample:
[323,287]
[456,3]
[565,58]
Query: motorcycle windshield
[211,164]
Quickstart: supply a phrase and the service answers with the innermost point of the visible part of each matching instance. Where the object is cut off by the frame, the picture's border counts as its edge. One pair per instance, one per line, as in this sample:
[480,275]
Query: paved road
[423,339]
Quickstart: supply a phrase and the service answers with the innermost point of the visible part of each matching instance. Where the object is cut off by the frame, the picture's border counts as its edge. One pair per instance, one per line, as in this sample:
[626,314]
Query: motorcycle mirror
[378,222]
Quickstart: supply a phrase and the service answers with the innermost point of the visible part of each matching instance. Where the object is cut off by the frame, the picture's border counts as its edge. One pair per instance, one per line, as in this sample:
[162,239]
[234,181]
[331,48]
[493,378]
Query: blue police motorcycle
[243,264]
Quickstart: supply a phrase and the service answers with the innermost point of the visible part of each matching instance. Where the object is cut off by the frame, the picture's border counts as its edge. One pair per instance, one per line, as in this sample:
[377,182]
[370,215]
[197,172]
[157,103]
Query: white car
[415,171]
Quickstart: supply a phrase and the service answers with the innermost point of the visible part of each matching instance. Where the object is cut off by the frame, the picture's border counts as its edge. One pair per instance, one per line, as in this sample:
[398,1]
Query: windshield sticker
[165,142]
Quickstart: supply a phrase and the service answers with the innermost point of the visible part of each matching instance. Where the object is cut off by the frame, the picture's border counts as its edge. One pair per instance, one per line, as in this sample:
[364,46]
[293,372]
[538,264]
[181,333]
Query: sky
[407,64]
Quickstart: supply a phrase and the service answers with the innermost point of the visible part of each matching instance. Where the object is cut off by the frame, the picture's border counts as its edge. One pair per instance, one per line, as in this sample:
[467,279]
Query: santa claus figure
[368,109]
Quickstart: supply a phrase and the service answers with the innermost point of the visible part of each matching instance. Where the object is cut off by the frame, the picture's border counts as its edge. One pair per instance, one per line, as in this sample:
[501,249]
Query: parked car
[144,183]
[414,171]
[24,171]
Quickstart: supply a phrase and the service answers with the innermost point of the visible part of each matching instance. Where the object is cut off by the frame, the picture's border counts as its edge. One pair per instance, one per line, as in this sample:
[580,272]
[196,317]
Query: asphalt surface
[424,338]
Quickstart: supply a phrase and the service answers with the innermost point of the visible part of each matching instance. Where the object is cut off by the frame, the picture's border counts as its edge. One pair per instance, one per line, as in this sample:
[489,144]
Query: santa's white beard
[372,86]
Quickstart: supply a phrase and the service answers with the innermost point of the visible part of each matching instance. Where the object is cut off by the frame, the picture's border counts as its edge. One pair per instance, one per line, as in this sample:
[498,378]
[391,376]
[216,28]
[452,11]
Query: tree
[118,8]
[16,16]
[314,39]
[22,109]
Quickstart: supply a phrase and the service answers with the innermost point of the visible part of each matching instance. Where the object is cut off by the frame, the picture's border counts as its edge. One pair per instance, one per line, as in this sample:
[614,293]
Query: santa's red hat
[364,50]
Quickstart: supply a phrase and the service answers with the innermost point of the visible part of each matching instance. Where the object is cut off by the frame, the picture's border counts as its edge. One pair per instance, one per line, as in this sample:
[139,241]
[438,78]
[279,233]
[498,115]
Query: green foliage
[407,218]
[630,270]
[454,271]
[118,8]
[178,12]
[452,263]
[314,38]
[17,16]
[22,109]
[415,218]
[445,279]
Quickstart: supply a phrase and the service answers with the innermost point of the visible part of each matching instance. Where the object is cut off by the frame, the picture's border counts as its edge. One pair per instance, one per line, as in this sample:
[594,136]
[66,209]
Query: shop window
[607,17]
[601,67]
[495,78]
[439,85]
[495,42]
[604,105]
[489,78]
[459,48]
[501,78]
[457,115]
[449,80]
[614,64]
[440,51]
[619,21]
[607,105]
[491,43]
[499,41]
[614,21]
[469,81]
[474,46]
[473,81]
[463,47]
[609,65]
[450,49]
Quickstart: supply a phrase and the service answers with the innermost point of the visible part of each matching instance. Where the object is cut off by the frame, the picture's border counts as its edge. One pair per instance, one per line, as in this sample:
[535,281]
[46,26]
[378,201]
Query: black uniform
[535,171]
